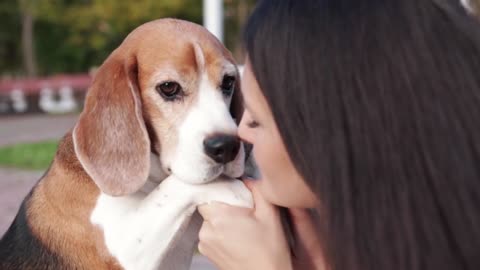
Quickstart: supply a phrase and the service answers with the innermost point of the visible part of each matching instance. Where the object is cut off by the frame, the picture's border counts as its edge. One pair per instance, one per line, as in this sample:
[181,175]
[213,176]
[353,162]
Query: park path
[15,184]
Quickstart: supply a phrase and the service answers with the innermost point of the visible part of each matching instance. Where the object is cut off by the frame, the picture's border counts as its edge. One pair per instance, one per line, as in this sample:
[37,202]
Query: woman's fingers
[206,211]
[262,206]
[214,211]
[205,235]
[230,235]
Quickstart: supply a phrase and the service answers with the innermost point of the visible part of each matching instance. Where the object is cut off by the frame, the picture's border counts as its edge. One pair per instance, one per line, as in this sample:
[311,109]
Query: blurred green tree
[236,14]
[27,11]
[74,35]
[10,37]
[41,37]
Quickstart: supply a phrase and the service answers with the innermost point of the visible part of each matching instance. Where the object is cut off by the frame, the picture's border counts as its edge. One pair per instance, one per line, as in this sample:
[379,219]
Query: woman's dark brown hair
[378,104]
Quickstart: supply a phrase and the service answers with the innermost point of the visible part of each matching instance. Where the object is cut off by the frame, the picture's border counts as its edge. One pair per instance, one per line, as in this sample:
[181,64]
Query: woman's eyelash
[253,124]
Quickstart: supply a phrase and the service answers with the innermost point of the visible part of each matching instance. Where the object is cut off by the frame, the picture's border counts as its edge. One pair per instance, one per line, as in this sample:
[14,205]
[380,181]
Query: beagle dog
[156,138]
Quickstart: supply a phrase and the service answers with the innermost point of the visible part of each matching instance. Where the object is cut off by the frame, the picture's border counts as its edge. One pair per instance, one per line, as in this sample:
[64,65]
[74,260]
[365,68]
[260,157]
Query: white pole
[213,17]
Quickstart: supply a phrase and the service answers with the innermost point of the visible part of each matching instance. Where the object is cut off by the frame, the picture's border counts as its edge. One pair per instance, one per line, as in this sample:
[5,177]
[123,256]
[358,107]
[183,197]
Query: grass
[30,156]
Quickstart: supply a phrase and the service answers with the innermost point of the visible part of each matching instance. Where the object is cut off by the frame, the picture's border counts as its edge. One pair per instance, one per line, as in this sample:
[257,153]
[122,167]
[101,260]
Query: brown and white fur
[123,187]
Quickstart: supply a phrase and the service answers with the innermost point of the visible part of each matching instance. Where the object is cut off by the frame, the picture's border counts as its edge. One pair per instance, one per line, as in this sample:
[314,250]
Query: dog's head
[170,88]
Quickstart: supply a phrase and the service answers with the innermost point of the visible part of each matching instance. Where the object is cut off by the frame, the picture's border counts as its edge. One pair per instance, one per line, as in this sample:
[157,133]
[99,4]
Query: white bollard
[65,104]
[46,101]
[19,103]
[213,17]
[67,100]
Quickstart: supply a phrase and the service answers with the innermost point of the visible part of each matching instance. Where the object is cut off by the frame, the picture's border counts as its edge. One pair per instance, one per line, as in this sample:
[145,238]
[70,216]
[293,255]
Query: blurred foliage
[31,156]
[236,14]
[10,33]
[73,35]
[76,35]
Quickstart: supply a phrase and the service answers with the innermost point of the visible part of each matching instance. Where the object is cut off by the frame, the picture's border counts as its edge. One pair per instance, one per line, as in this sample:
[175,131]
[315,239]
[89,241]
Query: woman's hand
[240,238]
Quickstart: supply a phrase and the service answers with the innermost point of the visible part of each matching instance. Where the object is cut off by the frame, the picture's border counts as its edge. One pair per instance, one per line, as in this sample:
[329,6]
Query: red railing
[78,82]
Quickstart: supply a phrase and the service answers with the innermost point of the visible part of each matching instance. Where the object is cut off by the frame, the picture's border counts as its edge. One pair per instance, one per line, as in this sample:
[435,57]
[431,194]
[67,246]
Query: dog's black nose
[222,148]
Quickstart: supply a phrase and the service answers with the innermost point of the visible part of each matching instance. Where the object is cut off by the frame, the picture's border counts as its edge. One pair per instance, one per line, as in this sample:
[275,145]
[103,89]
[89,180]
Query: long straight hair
[378,104]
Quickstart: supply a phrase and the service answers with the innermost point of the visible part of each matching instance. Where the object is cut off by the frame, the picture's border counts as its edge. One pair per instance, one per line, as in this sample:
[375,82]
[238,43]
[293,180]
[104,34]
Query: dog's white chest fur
[156,230]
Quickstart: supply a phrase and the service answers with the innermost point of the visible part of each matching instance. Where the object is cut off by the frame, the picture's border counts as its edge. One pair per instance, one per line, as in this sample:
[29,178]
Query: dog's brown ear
[110,138]
[236,105]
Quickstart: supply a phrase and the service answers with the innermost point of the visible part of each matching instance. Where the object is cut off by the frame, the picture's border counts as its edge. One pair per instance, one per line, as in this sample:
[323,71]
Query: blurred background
[49,50]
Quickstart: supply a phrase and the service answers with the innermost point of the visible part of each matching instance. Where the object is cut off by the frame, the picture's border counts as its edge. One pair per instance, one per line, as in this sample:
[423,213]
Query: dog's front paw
[229,191]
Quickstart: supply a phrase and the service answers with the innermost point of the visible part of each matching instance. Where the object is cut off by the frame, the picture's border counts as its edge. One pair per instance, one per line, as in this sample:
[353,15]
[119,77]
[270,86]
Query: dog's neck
[154,228]
[156,231]
[139,224]
[182,244]
[155,176]
[63,200]
[138,232]
[129,235]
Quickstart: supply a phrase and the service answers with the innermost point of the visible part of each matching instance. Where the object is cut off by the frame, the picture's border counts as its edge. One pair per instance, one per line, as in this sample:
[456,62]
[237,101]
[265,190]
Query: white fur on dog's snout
[210,115]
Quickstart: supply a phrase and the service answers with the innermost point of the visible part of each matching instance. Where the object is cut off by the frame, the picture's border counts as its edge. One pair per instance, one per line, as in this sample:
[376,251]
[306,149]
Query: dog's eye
[169,90]
[228,85]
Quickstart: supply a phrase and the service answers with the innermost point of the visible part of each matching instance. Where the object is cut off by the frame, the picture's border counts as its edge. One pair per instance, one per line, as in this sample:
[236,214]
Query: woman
[367,112]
